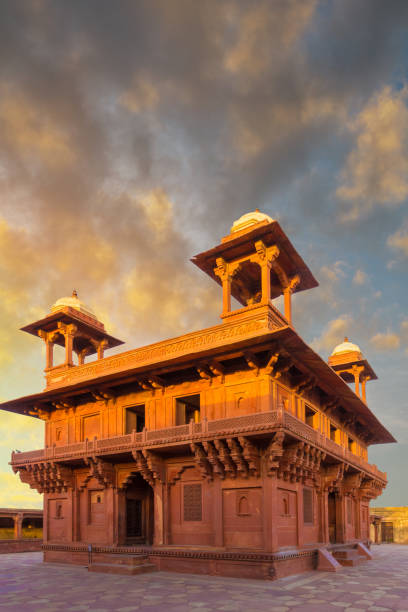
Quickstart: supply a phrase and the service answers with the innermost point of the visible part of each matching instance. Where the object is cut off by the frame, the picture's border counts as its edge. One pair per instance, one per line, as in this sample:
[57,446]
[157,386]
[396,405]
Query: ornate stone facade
[234,450]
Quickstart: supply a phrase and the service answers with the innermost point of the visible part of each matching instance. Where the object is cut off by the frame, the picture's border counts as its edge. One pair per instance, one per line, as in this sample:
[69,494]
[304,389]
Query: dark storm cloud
[224,106]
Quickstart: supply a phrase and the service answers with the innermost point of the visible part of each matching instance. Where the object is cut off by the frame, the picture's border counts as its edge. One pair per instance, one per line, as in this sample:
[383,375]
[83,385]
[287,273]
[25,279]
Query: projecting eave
[236,246]
[332,384]
[67,316]
[250,333]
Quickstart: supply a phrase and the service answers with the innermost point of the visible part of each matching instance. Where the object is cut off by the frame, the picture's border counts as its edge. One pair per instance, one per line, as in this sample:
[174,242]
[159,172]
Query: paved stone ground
[28,585]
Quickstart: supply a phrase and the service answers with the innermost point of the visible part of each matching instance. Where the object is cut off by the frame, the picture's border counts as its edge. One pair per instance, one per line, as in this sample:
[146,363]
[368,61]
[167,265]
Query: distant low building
[20,523]
[392,524]
[21,529]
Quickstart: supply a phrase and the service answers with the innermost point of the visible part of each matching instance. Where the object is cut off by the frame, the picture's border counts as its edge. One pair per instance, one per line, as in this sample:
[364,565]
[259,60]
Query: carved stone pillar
[358,518]
[160,491]
[101,348]
[287,296]
[68,331]
[363,388]
[266,282]
[356,372]
[81,355]
[340,518]
[18,525]
[49,338]
[323,502]
[76,535]
[222,271]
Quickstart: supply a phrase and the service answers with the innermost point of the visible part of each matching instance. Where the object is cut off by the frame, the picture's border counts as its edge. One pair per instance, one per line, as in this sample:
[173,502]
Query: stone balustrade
[246,424]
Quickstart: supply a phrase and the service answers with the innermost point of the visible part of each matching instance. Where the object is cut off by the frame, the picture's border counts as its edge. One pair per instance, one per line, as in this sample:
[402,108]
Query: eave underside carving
[220,458]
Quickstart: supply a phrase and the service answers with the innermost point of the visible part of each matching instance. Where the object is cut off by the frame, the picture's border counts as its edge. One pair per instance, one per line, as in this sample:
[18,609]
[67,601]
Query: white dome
[346,347]
[73,302]
[251,218]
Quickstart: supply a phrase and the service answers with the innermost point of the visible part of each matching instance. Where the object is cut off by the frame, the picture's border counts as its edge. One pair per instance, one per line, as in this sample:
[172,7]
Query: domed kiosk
[74,326]
[255,264]
[349,363]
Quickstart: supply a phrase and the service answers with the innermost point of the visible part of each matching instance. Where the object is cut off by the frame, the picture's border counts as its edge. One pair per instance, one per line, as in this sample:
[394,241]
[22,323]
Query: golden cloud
[386,341]
[15,494]
[29,130]
[399,240]
[250,54]
[142,95]
[376,170]
[360,277]
[333,333]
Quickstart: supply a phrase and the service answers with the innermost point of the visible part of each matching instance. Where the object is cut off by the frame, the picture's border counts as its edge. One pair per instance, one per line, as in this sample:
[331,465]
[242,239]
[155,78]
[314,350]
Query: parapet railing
[240,425]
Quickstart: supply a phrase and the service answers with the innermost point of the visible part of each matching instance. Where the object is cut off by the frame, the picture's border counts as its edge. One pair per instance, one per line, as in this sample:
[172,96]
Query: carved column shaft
[18,525]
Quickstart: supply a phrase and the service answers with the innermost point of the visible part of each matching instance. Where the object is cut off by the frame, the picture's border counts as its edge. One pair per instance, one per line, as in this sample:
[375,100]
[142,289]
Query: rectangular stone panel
[192,502]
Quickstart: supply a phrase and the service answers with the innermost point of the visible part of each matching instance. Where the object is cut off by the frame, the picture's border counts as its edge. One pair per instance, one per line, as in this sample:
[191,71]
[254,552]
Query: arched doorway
[139,515]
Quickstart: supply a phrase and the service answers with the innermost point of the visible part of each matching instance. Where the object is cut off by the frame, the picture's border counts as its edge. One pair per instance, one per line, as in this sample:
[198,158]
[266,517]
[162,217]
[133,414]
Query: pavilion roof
[160,357]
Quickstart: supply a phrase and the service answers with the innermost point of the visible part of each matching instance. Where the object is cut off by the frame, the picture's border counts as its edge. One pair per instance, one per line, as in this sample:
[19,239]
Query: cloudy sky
[132,135]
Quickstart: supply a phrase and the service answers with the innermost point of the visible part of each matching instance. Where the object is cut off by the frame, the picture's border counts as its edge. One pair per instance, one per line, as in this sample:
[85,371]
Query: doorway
[139,512]
[332,517]
[387,532]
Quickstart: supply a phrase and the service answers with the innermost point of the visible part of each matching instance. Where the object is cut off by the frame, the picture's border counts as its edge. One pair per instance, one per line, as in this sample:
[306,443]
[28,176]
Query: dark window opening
[135,418]
[187,409]
[134,518]
[310,416]
[333,430]
[350,443]
[307,505]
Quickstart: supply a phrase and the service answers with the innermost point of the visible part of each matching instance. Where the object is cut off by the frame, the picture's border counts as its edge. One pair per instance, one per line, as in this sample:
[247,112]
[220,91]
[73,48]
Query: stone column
[18,524]
[363,387]
[287,296]
[159,514]
[48,338]
[68,331]
[358,518]
[340,518]
[101,348]
[266,281]
[287,304]
[76,496]
[323,504]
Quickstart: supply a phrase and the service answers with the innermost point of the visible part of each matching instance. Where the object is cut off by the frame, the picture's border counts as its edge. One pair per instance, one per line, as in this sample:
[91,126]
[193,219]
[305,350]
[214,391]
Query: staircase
[127,565]
[349,557]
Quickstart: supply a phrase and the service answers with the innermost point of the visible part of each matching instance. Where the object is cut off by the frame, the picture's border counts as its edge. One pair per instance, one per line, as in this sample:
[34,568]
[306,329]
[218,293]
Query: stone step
[119,559]
[348,557]
[117,568]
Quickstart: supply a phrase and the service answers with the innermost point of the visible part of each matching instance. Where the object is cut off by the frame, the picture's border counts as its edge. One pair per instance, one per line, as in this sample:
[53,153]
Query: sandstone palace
[234,450]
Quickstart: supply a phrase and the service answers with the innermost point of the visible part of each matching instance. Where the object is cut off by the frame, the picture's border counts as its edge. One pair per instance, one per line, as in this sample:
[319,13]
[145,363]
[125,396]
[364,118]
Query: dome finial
[247,221]
[74,294]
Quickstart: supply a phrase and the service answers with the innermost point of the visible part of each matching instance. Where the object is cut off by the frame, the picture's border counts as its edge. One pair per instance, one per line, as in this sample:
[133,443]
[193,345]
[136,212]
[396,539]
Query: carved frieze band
[161,351]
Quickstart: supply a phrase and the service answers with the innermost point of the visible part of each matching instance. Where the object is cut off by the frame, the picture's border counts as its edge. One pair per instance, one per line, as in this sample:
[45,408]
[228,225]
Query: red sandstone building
[234,450]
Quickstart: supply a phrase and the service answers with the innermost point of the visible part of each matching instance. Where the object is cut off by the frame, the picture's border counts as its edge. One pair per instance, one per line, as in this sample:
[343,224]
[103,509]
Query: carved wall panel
[242,513]
[57,518]
[287,517]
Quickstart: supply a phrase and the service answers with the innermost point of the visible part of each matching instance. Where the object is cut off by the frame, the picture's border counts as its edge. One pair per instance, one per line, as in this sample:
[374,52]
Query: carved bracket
[102,471]
[46,477]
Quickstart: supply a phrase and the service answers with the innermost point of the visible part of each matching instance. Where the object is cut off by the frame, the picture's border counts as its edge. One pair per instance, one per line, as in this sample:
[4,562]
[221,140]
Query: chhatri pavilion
[233,450]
